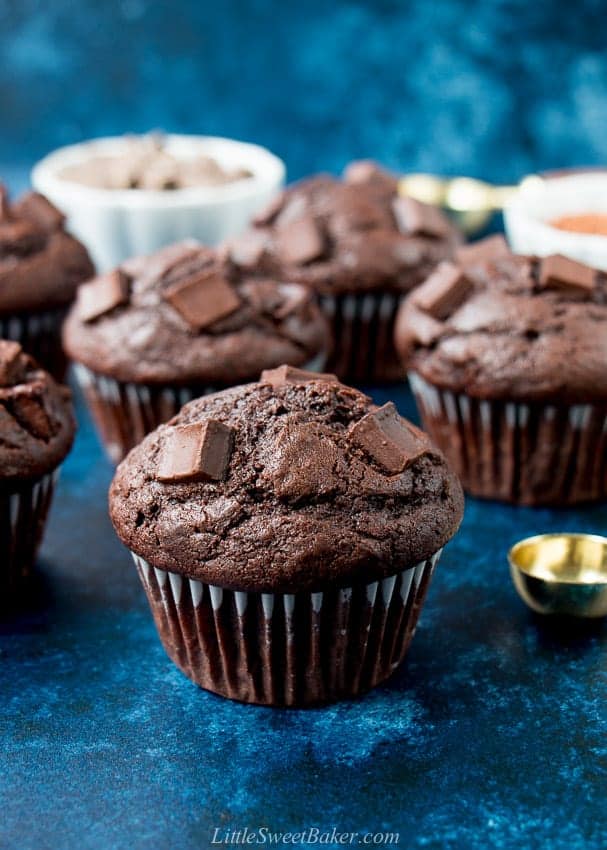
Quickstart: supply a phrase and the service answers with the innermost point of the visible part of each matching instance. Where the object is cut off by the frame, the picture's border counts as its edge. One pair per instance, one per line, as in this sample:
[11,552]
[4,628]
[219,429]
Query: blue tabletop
[491,735]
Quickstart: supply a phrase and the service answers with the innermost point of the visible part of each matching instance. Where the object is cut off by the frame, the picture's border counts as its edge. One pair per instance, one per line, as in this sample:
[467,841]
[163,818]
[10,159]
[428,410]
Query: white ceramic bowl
[541,200]
[119,223]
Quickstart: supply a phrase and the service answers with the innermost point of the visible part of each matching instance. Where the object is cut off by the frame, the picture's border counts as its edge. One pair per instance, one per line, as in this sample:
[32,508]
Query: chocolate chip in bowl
[130,196]
[147,163]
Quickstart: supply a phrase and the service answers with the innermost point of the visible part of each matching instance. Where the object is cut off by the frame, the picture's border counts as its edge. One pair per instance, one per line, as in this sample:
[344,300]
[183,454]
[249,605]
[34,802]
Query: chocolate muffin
[285,533]
[360,247]
[40,267]
[161,330]
[507,357]
[36,433]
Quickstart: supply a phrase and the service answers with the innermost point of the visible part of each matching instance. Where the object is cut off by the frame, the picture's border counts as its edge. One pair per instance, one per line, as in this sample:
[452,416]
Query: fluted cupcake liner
[286,649]
[363,330]
[124,412]
[525,453]
[24,508]
[40,335]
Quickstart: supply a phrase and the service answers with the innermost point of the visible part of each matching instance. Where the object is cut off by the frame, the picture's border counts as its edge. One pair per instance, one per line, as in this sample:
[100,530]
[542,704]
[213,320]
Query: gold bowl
[470,202]
[562,573]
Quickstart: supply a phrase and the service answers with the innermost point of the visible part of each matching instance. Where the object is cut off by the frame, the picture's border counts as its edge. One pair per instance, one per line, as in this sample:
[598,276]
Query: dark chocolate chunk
[390,441]
[562,273]
[38,210]
[247,250]
[306,463]
[292,298]
[290,375]
[19,237]
[102,295]
[203,299]
[29,411]
[12,367]
[491,248]
[270,211]
[361,171]
[163,264]
[300,242]
[5,209]
[197,452]
[443,292]
[426,329]
[419,219]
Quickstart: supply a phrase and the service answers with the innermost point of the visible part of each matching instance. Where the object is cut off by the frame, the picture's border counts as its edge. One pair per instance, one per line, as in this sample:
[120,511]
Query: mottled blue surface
[494,88]
[492,735]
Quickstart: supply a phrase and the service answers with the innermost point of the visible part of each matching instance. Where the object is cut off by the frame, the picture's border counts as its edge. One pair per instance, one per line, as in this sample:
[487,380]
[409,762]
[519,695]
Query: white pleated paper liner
[39,334]
[125,412]
[531,454]
[23,512]
[286,649]
[363,330]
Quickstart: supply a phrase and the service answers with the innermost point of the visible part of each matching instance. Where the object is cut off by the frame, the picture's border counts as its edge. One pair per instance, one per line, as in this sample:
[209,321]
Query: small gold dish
[470,202]
[562,573]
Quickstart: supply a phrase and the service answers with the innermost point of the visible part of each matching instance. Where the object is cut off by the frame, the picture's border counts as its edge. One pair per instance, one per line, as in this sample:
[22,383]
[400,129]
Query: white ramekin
[540,200]
[116,224]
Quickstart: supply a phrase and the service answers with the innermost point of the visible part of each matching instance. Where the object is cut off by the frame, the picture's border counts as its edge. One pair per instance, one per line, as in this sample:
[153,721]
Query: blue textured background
[493,733]
[494,88]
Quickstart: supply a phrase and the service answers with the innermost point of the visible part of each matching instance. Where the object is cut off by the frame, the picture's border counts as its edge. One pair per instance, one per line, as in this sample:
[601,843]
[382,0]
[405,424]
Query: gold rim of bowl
[562,573]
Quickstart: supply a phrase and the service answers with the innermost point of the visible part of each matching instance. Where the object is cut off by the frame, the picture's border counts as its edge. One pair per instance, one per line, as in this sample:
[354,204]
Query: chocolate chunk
[416,218]
[247,250]
[102,295]
[29,411]
[270,211]
[12,366]
[203,299]
[306,463]
[426,329]
[389,440]
[148,270]
[300,242]
[292,298]
[361,171]
[19,237]
[443,292]
[38,210]
[485,250]
[290,375]
[5,210]
[562,273]
[197,452]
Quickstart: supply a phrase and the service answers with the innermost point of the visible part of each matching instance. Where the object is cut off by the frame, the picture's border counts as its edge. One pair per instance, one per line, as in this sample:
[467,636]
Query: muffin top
[36,420]
[187,313]
[350,235]
[499,325]
[292,483]
[40,264]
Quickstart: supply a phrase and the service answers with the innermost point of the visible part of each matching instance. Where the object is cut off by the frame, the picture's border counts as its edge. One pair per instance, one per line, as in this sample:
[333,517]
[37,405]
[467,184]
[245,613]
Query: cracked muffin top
[36,419]
[40,264]
[292,483]
[499,325]
[187,314]
[346,236]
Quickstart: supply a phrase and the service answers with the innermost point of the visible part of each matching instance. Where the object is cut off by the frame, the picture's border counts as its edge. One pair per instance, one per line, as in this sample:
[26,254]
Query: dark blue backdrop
[490,88]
